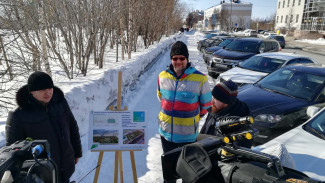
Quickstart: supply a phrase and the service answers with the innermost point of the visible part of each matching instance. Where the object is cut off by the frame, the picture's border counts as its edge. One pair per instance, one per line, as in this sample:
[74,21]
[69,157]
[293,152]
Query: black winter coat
[238,108]
[54,122]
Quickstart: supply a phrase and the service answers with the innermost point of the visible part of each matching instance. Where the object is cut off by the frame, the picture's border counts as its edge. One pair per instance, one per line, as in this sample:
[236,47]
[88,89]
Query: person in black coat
[44,114]
[224,103]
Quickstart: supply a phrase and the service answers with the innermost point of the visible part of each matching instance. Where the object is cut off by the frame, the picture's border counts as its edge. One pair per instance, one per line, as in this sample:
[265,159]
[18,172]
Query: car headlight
[216,60]
[268,118]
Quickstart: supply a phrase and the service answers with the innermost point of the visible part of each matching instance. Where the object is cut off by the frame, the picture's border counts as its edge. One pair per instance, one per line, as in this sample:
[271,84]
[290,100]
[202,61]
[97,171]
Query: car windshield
[262,64]
[225,42]
[293,83]
[317,125]
[244,46]
[208,36]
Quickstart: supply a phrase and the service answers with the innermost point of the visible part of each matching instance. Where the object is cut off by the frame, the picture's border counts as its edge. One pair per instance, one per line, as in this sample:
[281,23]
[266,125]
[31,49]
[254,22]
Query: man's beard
[179,69]
[214,109]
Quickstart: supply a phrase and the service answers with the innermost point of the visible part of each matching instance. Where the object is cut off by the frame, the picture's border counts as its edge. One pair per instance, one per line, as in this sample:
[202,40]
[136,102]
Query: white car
[305,144]
[258,66]
[250,33]
[268,34]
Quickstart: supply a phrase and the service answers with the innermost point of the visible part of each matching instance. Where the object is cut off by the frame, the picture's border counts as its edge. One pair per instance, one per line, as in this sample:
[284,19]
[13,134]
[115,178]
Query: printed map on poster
[117,130]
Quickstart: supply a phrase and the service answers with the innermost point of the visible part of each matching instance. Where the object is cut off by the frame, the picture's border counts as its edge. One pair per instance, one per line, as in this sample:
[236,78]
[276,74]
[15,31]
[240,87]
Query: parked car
[250,33]
[238,51]
[210,35]
[260,65]
[278,102]
[206,43]
[280,39]
[306,145]
[260,31]
[209,51]
[268,34]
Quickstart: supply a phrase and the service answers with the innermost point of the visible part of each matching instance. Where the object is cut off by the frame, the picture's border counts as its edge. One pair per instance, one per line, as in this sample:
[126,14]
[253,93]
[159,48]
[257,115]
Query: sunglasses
[180,58]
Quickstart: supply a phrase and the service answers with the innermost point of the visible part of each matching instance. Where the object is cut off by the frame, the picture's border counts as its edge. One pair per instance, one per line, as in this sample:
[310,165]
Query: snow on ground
[99,89]
[320,41]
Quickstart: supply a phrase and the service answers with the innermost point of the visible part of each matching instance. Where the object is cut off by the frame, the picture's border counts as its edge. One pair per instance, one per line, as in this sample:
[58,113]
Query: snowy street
[99,89]
[143,97]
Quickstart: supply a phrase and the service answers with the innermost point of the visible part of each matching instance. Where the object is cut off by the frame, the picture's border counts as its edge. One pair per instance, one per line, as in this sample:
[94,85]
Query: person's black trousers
[168,146]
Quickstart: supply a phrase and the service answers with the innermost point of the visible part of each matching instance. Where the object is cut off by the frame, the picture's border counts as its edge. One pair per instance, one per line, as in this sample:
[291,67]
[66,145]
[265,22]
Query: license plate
[221,65]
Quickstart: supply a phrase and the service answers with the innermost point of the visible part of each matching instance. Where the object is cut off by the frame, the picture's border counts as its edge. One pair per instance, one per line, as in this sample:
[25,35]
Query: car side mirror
[261,50]
[312,110]
[321,98]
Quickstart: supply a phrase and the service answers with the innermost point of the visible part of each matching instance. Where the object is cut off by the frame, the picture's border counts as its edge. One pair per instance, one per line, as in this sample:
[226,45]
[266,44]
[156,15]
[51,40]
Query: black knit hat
[39,81]
[179,48]
[225,92]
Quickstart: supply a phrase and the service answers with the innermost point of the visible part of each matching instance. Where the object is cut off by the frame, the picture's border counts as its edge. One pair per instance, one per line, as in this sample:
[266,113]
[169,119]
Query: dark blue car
[209,51]
[238,51]
[278,102]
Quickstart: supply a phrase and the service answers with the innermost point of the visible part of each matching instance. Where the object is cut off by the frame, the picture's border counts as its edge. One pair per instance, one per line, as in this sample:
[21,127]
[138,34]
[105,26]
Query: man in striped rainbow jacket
[185,96]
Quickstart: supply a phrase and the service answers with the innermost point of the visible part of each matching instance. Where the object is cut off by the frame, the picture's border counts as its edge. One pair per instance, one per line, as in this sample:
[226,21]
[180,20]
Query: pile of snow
[320,41]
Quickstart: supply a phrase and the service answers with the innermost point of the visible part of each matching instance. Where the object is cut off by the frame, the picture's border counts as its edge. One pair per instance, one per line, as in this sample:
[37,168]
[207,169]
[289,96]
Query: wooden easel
[118,153]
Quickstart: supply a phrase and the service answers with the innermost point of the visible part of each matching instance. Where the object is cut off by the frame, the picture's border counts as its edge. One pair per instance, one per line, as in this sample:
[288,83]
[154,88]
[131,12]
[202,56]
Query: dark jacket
[237,108]
[54,122]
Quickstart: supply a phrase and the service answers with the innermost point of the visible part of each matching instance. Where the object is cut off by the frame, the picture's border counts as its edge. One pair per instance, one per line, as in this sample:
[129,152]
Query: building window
[286,20]
[281,18]
[291,18]
[293,2]
[283,4]
[299,2]
[288,3]
[297,18]
[279,5]
[277,19]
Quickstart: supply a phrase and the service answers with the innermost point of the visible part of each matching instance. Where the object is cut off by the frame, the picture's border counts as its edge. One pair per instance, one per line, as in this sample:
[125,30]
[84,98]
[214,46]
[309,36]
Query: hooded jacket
[54,122]
[183,101]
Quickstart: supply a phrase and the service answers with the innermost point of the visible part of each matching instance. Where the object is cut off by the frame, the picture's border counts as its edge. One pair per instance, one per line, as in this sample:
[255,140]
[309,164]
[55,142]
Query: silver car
[258,66]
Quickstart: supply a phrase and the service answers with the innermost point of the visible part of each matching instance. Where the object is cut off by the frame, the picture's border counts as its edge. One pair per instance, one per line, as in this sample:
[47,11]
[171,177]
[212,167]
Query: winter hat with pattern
[225,92]
[179,48]
[39,81]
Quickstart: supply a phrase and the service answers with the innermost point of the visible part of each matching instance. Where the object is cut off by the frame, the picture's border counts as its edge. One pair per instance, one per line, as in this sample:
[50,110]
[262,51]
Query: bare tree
[41,34]
[223,19]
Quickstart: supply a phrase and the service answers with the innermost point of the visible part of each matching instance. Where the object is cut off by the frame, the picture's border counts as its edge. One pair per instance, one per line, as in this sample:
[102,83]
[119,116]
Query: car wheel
[202,49]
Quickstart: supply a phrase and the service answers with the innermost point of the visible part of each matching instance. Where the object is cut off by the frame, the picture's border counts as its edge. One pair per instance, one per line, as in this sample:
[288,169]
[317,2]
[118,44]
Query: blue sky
[261,8]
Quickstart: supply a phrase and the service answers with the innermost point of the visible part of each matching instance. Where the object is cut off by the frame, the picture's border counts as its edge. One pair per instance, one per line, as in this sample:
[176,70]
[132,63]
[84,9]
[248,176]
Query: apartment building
[300,15]
[228,15]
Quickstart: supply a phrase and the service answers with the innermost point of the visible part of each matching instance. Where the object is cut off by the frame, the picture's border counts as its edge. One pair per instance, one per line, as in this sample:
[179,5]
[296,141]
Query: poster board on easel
[117,130]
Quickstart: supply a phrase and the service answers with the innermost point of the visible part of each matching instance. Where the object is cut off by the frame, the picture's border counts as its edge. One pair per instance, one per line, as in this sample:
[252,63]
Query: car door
[276,46]
[268,46]
[262,48]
